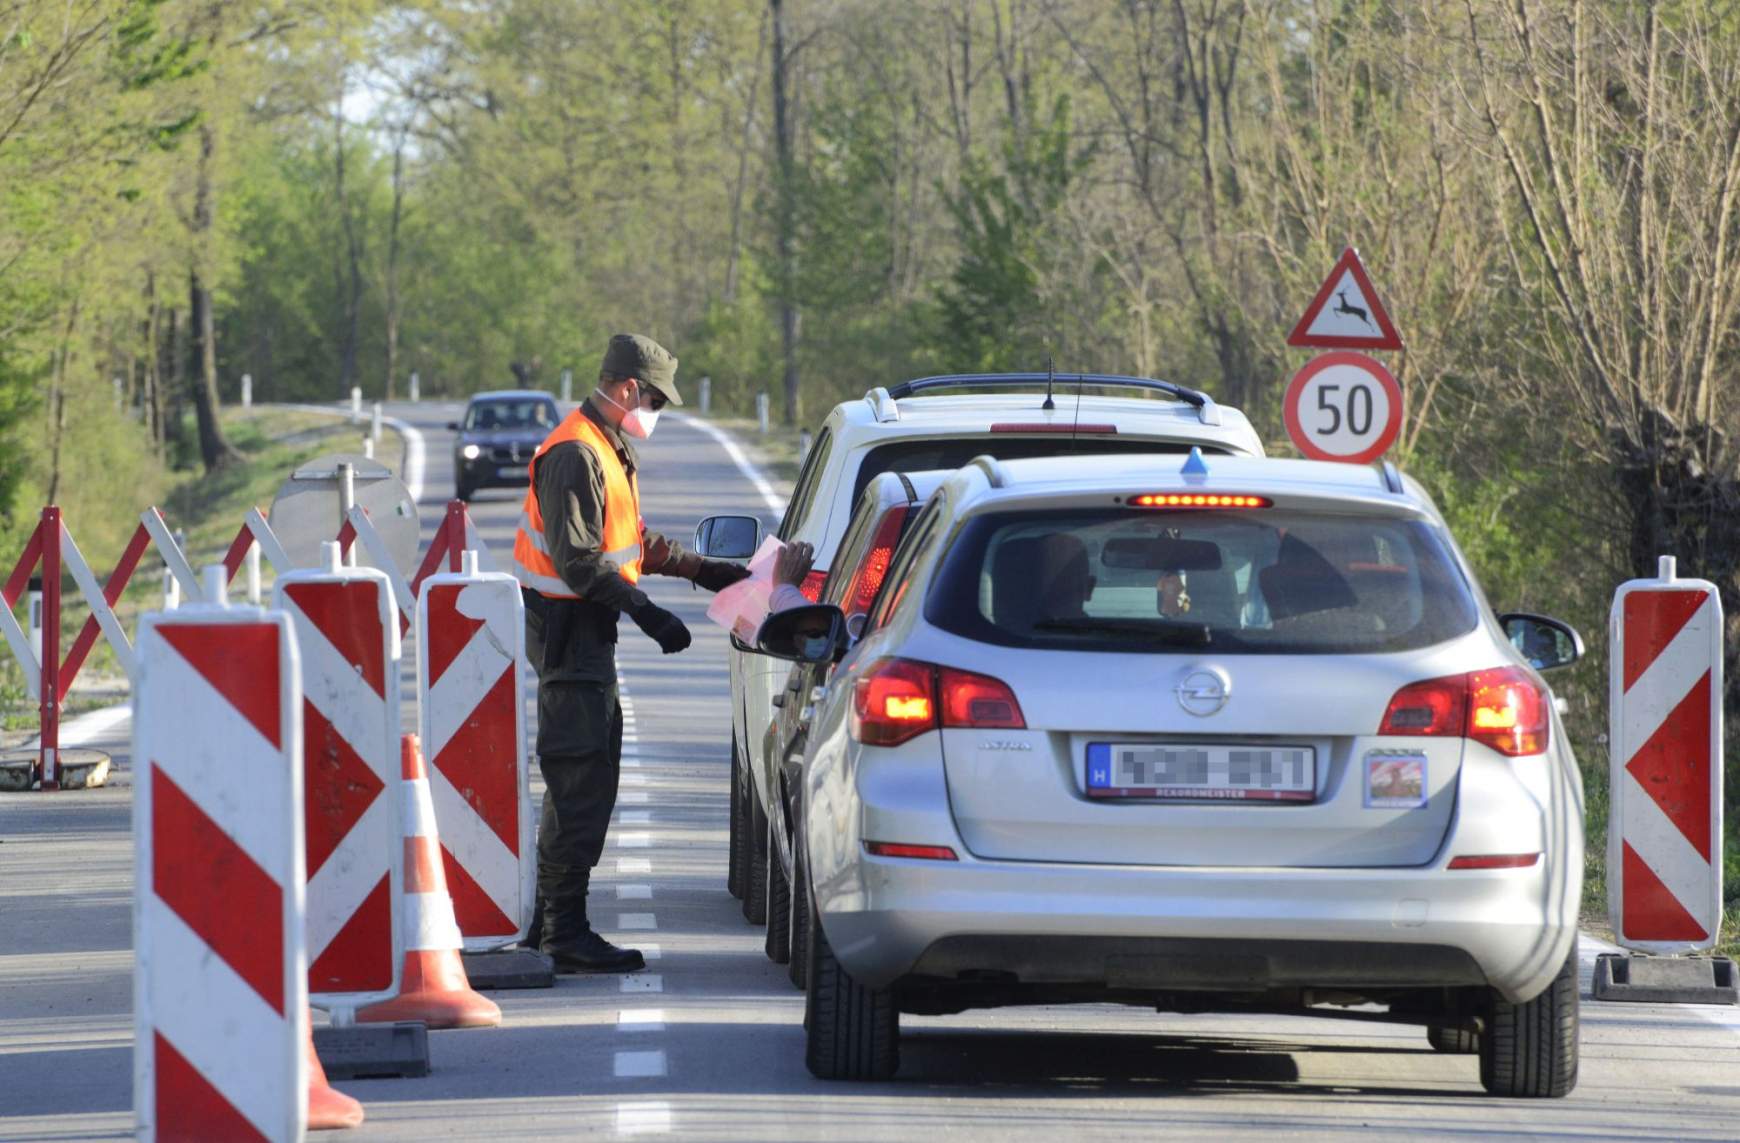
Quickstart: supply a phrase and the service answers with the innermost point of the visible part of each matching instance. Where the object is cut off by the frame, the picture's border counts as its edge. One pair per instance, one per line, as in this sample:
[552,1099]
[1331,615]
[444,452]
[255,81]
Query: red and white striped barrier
[347,632]
[471,714]
[220,978]
[1664,836]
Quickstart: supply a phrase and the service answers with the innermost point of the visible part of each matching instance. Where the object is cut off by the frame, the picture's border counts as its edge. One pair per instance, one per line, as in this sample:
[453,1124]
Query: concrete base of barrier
[509,968]
[79,769]
[374,1051]
[1666,979]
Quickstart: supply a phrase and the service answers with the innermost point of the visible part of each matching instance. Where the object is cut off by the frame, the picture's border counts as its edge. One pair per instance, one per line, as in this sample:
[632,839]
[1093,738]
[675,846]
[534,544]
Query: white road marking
[633,797]
[643,1119]
[635,817]
[634,779]
[641,1020]
[650,952]
[642,921]
[634,892]
[643,981]
[634,840]
[633,865]
[743,463]
[640,1065]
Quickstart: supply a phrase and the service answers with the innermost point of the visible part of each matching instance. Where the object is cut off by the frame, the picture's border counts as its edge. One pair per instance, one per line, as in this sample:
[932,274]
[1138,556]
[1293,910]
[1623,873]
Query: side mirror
[1545,642]
[452,426]
[728,537]
[810,634]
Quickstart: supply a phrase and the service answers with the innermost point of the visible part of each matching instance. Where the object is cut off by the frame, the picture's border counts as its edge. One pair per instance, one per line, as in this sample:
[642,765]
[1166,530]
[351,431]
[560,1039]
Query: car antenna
[1050,378]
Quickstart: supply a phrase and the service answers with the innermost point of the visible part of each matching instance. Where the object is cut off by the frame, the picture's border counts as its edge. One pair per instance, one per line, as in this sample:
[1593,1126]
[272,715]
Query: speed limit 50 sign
[1343,406]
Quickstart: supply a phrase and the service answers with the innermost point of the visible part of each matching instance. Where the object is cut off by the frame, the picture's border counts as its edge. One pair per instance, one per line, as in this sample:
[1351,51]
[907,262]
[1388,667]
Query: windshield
[511,413]
[1266,581]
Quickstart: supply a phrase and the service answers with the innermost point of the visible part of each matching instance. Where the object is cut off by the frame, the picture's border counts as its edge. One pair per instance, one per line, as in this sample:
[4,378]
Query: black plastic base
[374,1051]
[508,969]
[1666,979]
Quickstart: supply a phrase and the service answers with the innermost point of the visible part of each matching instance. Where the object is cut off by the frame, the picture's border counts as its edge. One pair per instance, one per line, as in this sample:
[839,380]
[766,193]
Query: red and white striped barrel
[347,632]
[220,978]
[1664,835]
[471,701]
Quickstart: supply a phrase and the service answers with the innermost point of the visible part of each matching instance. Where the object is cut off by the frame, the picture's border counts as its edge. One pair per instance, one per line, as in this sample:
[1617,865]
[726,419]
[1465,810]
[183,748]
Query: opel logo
[1203,691]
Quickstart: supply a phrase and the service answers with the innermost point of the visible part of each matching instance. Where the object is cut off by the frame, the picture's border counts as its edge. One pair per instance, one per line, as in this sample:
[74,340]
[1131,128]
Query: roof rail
[1206,410]
[1392,477]
[882,405]
[993,471]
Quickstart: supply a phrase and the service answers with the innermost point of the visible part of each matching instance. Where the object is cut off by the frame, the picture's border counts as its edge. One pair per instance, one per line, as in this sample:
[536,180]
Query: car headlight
[470,452]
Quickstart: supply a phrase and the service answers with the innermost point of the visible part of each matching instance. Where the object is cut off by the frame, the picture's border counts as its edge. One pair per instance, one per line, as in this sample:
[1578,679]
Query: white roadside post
[247,391]
[220,992]
[416,389]
[761,412]
[355,406]
[1664,830]
[375,423]
[706,395]
[567,386]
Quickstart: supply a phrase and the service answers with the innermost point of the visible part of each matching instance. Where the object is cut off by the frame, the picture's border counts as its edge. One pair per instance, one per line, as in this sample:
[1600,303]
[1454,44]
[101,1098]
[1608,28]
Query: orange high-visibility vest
[622,524]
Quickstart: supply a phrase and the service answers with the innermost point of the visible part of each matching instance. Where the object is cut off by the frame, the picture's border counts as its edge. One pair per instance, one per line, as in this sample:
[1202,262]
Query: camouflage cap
[633,355]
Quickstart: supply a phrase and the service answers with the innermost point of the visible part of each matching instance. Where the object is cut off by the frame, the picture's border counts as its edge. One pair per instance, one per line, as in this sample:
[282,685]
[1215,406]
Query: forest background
[811,197]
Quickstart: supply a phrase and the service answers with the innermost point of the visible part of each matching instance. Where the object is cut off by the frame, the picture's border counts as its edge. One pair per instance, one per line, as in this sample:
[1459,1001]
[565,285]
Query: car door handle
[817,694]
[779,699]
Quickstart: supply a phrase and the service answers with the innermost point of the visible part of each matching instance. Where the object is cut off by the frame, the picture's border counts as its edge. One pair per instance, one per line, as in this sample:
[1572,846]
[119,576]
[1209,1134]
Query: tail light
[1495,861]
[899,699]
[903,849]
[812,585]
[867,578]
[1199,500]
[1502,707]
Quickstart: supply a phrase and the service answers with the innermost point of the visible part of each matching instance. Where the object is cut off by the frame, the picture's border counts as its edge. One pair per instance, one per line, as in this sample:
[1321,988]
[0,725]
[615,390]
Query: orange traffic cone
[328,1109]
[433,987]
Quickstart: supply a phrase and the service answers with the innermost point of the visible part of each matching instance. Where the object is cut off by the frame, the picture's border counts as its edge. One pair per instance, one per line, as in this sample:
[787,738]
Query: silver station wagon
[1232,734]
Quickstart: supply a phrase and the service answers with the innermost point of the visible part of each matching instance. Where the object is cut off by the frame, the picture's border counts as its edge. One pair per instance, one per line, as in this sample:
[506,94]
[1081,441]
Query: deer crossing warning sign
[1346,313]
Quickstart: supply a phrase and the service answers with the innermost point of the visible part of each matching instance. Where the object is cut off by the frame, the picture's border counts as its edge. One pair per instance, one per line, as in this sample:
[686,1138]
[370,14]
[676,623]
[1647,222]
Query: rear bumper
[1200,929]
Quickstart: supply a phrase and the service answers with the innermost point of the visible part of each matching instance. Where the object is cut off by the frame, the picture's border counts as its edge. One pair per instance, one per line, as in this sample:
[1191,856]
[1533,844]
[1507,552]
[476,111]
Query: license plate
[1201,772]
[511,470]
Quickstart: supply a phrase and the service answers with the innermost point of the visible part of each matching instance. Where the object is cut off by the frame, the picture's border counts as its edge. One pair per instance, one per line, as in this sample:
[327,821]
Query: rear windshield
[506,413]
[953,452]
[1263,581]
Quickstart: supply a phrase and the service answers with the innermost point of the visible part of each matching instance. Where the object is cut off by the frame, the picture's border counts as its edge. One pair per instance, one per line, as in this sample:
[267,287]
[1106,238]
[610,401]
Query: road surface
[708,1043]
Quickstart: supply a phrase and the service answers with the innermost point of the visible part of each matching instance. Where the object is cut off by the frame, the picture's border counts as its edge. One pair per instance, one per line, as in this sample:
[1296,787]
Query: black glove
[662,627]
[716,574]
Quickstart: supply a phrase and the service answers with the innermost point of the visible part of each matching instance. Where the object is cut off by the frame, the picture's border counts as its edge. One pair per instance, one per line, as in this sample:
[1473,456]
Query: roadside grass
[776,451]
[208,510]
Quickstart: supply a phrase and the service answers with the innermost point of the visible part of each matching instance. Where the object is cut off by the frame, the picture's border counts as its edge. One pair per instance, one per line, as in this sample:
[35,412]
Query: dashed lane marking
[640,1065]
[633,865]
[643,981]
[643,1119]
[641,1020]
[640,921]
[634,892]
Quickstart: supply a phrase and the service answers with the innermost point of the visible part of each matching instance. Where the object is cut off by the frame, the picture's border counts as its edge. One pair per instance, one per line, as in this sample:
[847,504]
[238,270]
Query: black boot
[568,938]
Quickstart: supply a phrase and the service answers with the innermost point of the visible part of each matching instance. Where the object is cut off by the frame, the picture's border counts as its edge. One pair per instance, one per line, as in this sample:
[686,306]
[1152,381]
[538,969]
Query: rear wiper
[1170,634]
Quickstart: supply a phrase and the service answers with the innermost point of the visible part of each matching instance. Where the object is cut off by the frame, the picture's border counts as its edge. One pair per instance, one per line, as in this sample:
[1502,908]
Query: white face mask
[637,422]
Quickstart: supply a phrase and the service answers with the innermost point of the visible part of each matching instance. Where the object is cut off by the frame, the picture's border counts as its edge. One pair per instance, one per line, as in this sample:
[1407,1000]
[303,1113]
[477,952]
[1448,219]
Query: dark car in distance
[497,436]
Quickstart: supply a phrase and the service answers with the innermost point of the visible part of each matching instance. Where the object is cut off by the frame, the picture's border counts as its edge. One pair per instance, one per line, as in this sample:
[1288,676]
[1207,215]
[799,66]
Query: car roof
[989,480]
[882,411]
[511,395]
[891,488]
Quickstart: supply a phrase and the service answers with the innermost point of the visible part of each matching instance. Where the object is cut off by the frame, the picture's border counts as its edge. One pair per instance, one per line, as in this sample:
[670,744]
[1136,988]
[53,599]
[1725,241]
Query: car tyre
[1529,1050]
[798,967]
[1452,1040]
[755,864]
[850,1032]
[734,863]
[778,944]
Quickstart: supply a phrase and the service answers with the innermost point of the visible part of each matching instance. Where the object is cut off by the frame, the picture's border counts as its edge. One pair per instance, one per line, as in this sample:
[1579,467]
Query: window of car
[954,452]
[509,413]
[1265,581]
[803,497]
[919,539]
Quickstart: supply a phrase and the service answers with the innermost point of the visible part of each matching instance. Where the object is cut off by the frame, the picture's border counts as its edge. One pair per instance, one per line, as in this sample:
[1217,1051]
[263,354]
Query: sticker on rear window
[1395,781]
